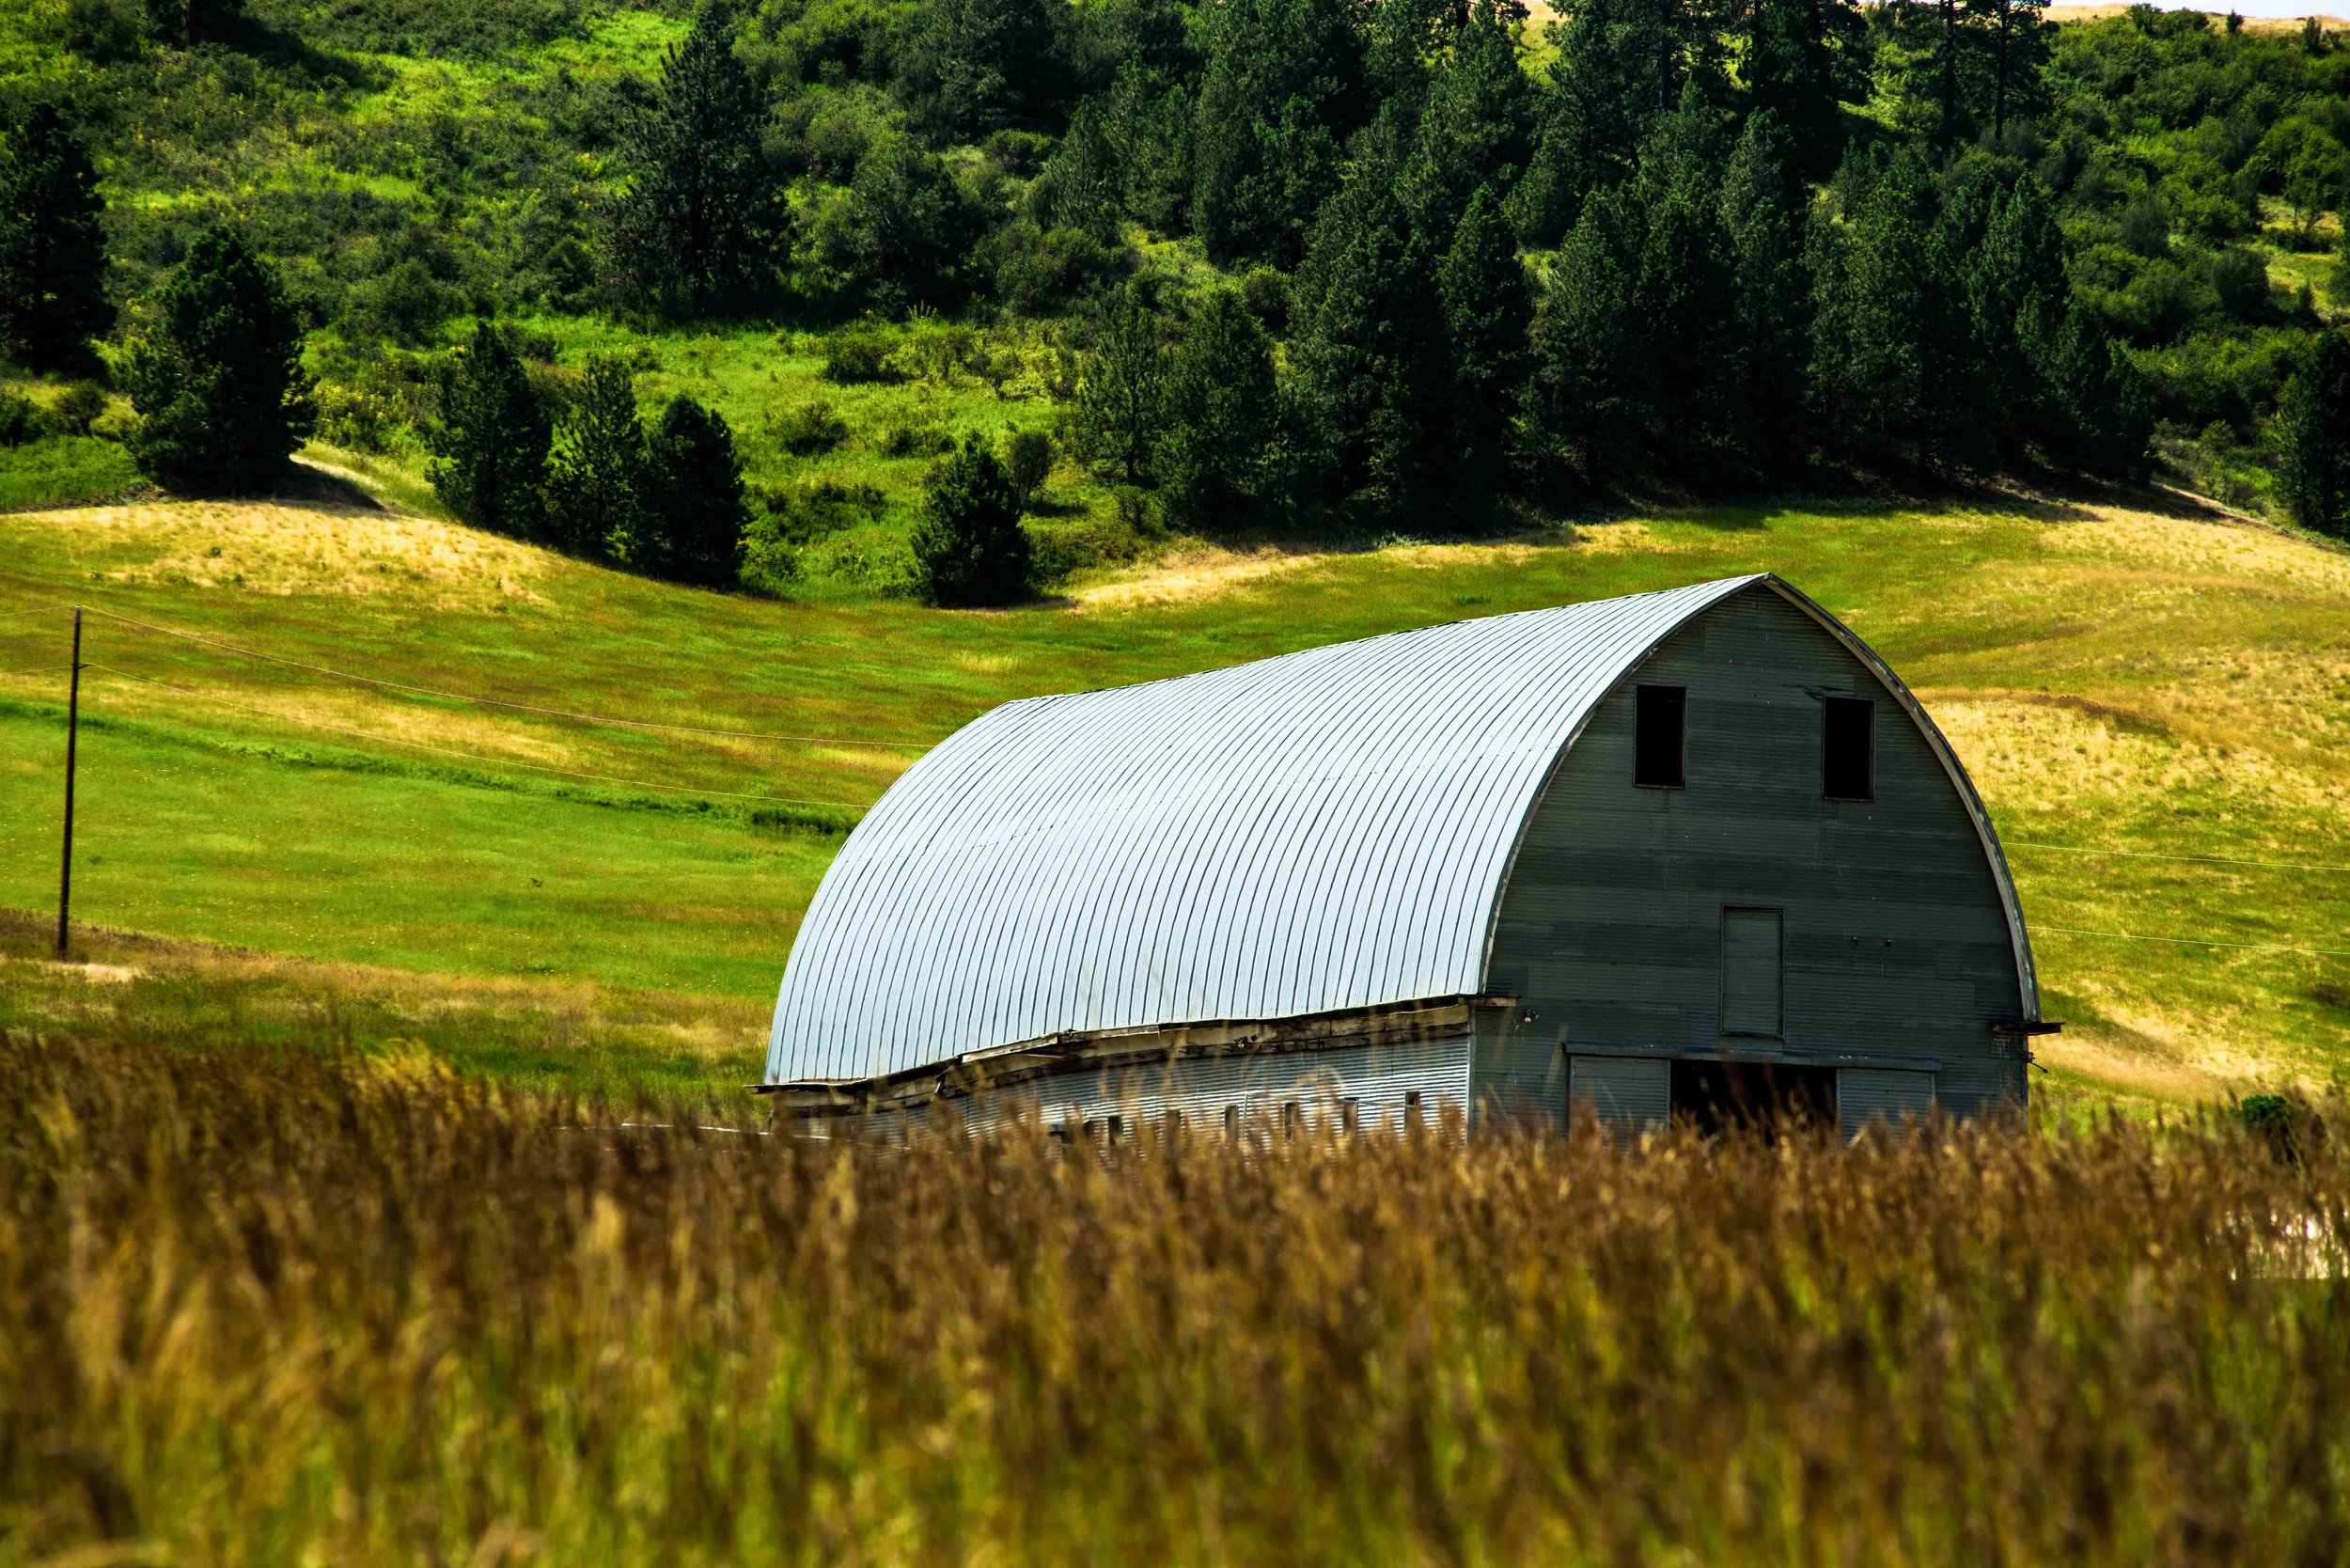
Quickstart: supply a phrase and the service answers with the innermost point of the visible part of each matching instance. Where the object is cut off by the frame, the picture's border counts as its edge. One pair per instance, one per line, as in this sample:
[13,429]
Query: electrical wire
[40,669]
[2193,860]
[472,756]
[2197,941]
[29,610]
[505,702]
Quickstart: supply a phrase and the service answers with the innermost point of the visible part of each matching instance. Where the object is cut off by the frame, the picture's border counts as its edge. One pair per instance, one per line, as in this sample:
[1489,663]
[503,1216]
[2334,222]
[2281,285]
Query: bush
[807,429]
[79,407]
[1265,293]
[969,549]
[909,438]
[20,420]
[1028,458]
[853,357]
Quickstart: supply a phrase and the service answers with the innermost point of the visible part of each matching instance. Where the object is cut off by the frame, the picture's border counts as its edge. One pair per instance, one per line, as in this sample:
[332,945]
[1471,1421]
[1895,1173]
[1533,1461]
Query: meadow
[2153,699]
[263,1308]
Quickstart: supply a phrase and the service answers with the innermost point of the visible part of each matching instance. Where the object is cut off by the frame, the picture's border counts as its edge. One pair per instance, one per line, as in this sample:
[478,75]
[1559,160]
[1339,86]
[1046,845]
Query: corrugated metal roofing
[1325,830]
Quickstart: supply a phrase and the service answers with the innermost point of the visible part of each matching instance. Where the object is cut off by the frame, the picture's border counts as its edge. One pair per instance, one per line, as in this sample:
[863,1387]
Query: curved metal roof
[1325,830]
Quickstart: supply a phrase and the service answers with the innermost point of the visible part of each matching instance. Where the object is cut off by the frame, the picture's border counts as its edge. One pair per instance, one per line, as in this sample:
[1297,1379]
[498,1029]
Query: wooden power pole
[72,732]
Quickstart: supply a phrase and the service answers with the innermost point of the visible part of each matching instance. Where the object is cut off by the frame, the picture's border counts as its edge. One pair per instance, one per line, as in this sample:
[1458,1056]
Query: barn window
[1412,1118]
[1850,773]
[1750,971]
[1231,1122]
[1659,713]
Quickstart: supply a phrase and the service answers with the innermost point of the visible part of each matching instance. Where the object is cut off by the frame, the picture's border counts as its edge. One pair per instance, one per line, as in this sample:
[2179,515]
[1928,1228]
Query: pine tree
[218,380]
[1906,350]
[1620,70]
[2313,437]
[2012,260]
[1682,300]
[693,511]
[1284,88]
[969,549]
[492,439]
[2016,34]
[53,251]
[1119,388]
[1487,313]
[702,226]
[1792,67]
[2098,415]
[1763,207]
[1371,346]
[1220,413]
[1590,356]
[185,23]
[1477,128]
[972,67]
[906,236]
[596,482]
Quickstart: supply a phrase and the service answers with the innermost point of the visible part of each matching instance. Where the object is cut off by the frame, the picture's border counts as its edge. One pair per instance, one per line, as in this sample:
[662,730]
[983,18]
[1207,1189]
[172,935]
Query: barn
[1682,852]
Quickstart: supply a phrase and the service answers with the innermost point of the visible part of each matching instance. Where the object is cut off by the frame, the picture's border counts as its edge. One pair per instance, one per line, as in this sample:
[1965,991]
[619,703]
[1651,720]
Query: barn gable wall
[1608,931]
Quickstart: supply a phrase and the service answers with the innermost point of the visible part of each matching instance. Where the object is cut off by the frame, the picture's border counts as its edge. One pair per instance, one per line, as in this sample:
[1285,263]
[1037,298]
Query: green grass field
[2156,706]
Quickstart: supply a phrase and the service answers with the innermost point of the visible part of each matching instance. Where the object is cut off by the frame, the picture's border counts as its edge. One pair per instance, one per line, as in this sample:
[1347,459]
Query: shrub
[1028,458]
[969,549]
[913,438]
[851,357]
[807,429]
[79,407]
[1266,292]
[20,420]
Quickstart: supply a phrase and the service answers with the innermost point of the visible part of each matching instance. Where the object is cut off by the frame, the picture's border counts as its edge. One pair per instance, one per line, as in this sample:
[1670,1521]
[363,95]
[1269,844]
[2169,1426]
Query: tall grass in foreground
[274,1308]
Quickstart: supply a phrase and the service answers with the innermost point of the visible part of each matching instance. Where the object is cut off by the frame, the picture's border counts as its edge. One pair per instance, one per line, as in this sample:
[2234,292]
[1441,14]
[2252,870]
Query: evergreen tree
[185,23]
[53,251]
[596,482]
[2015,38]
[218,380]
[1793,66]
[1763,206]
[1286,84]
[1590,356]
[969,549]
[972,67]
[1220,418]
[702,226]
[2313,437]
[2097,414]
[1478,130]
[1904,349]
[1487,313]
[1371,346]
[1620,70]
[1682,300]
[2010,255]
[906,234]
[692,512]
[490,441]
[1119,388]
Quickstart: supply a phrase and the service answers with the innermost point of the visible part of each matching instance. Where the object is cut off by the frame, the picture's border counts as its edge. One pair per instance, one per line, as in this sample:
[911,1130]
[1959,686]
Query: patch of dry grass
[262,1307]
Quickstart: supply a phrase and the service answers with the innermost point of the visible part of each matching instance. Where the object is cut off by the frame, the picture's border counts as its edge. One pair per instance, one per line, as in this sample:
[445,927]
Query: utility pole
[72,732]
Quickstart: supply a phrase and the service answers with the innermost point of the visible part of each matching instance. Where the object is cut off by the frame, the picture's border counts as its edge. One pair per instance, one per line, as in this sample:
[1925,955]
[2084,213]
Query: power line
[504,702]
[2194,859]
[2198,941]
[29,610]
[35,670]
[472,756]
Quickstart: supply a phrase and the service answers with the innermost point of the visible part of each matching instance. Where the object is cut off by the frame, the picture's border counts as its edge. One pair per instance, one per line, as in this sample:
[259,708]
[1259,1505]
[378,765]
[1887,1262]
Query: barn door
[1752,994]
[1630,1094]
[1870,1095]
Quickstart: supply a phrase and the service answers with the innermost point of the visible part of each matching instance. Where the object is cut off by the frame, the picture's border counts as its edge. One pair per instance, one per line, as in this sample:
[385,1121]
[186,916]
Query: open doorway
[1717,1096]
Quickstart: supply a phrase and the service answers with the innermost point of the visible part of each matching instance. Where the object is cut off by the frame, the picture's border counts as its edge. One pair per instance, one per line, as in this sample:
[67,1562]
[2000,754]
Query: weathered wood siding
[1896,947]
[1377,1078]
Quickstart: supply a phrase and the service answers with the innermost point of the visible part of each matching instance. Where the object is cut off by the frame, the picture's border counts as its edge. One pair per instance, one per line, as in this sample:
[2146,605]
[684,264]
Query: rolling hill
[2154,699]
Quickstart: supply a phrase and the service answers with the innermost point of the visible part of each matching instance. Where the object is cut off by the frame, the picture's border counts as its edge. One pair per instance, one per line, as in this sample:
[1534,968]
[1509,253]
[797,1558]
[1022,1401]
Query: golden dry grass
[262,1308]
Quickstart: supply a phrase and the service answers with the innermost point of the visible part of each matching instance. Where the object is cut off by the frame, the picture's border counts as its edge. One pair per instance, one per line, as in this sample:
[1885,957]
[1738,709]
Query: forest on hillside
[907,270]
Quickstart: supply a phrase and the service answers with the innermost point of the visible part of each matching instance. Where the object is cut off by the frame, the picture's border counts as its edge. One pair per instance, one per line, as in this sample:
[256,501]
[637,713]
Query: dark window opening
[1768,1097]
[1660,730]
[1851,766]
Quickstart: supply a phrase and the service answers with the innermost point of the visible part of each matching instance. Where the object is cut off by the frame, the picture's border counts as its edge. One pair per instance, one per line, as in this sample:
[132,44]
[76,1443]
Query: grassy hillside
[2156,705]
